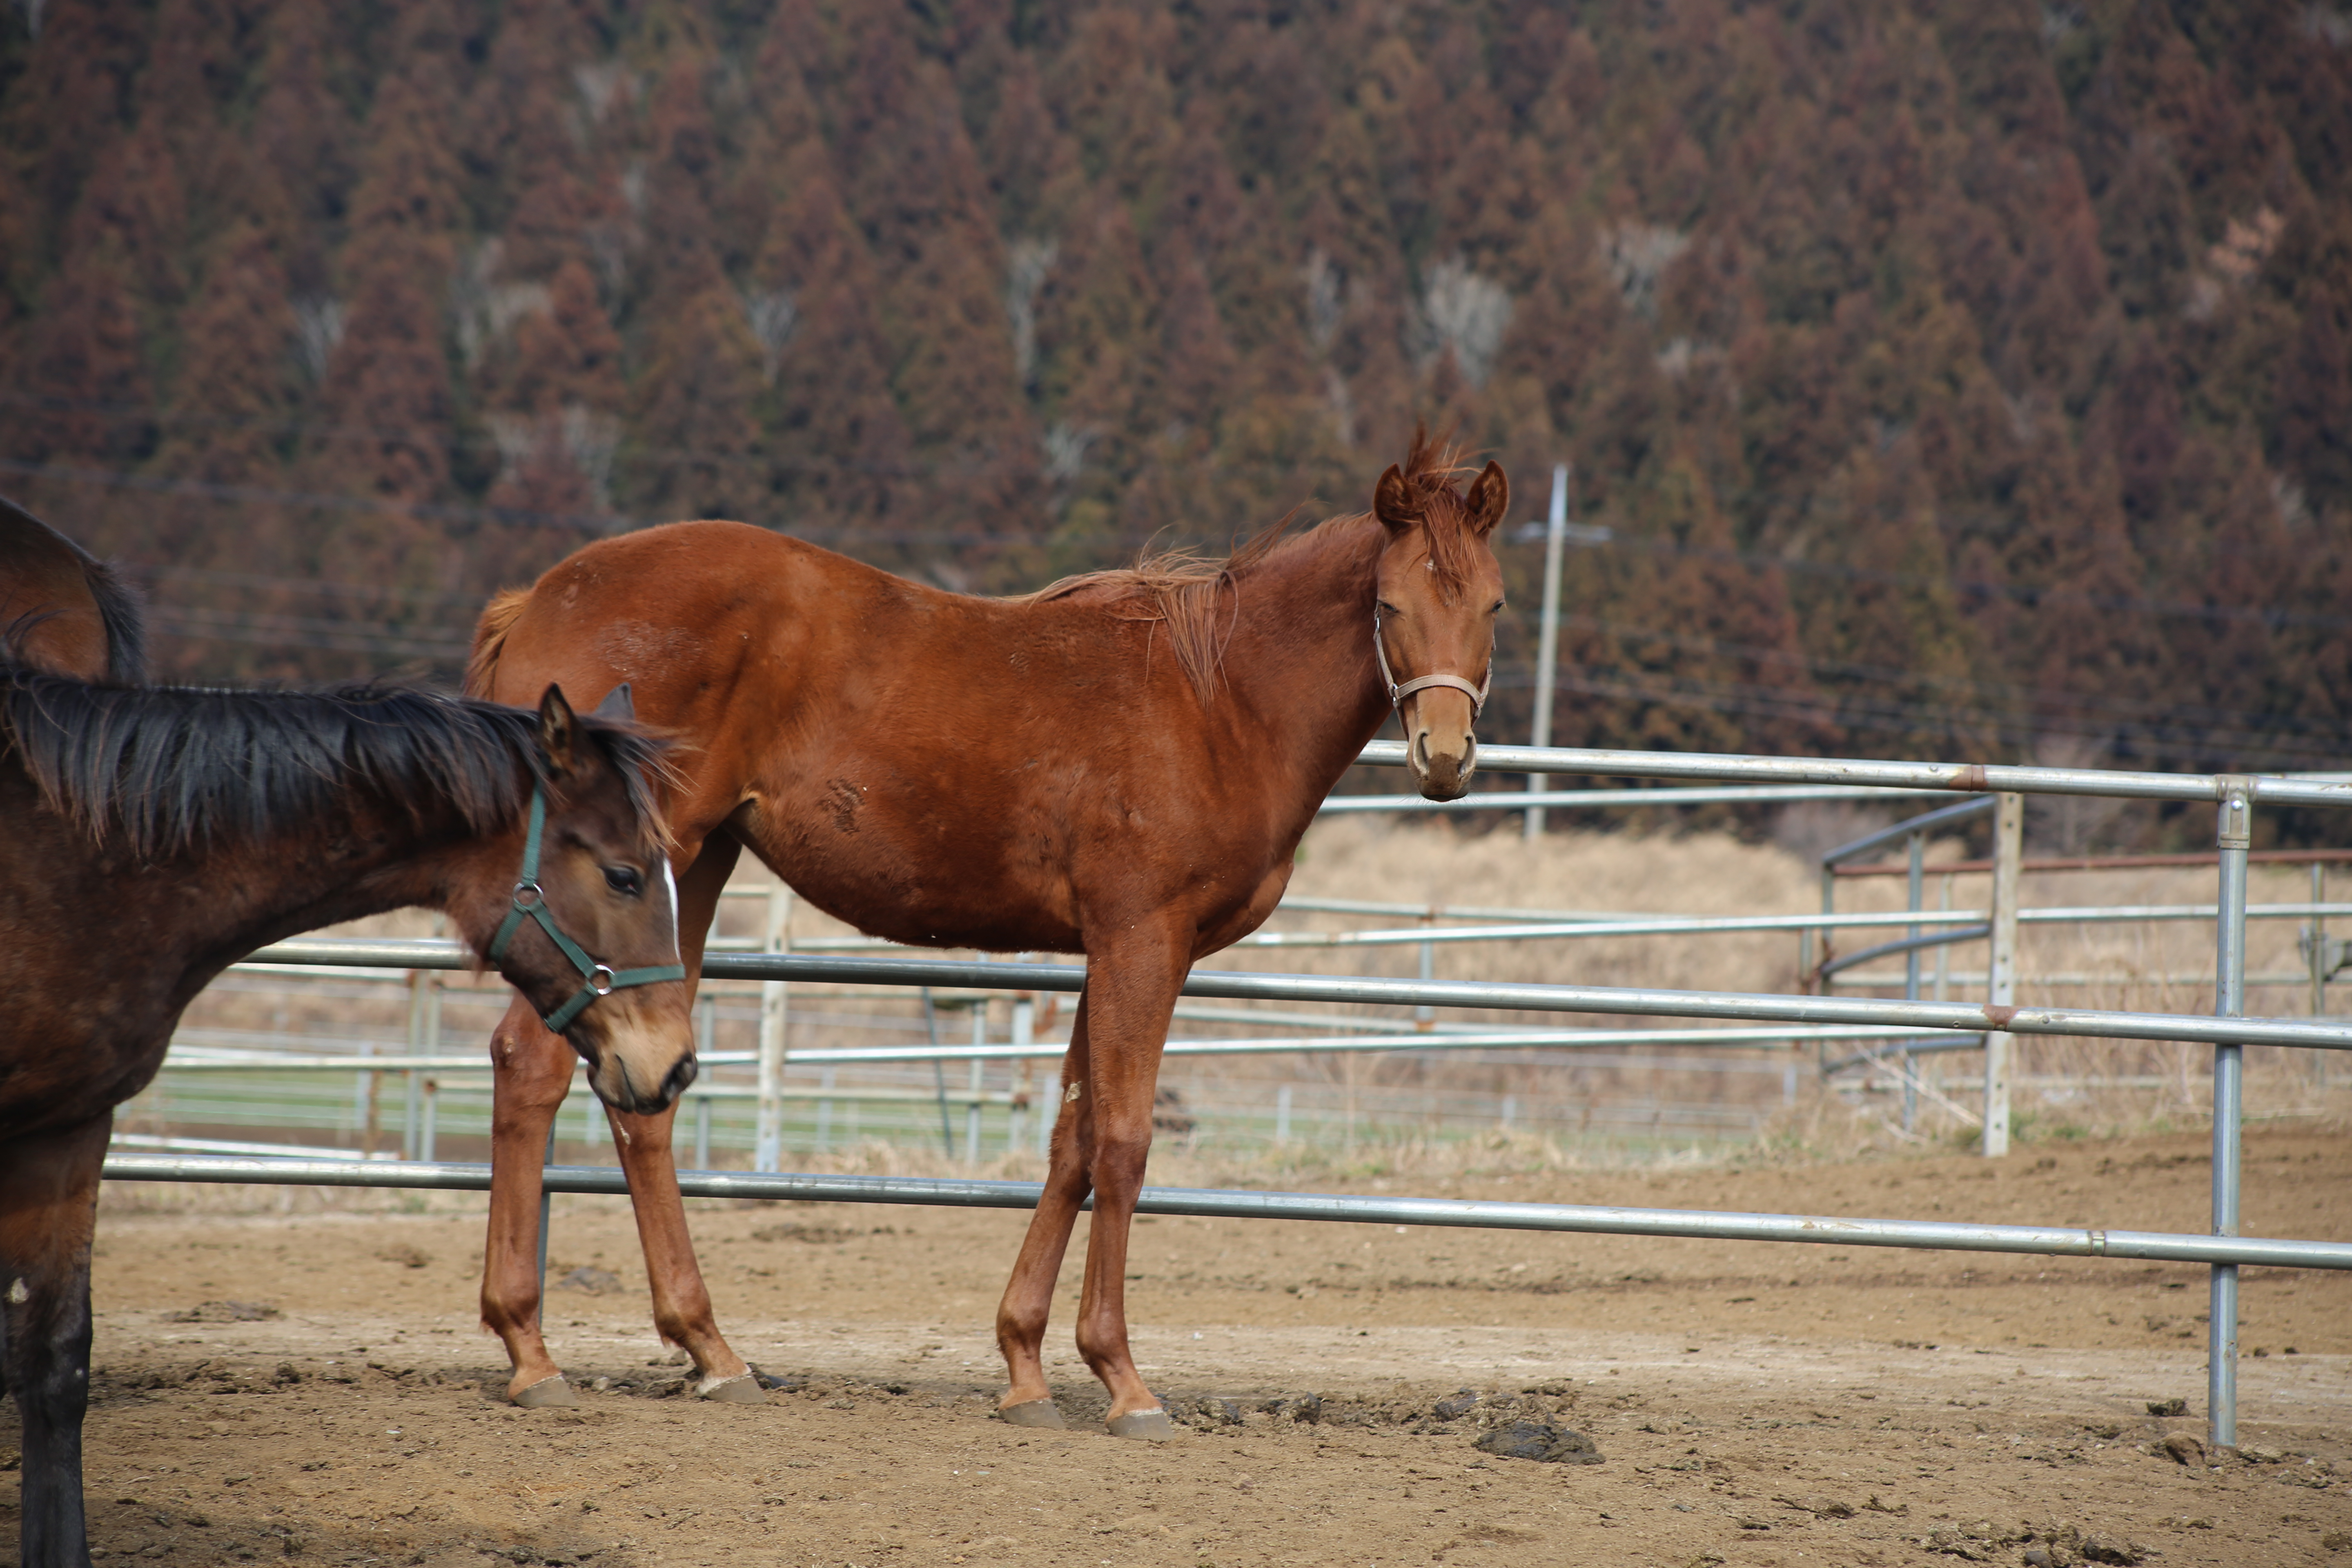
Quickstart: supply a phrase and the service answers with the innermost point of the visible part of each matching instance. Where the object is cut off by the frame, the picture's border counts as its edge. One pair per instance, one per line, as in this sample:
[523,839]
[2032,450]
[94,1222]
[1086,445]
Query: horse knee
[1119,1155]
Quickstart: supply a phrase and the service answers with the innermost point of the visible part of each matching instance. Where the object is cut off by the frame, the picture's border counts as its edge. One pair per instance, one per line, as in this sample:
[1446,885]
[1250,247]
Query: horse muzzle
[639,1072]
[1442,766]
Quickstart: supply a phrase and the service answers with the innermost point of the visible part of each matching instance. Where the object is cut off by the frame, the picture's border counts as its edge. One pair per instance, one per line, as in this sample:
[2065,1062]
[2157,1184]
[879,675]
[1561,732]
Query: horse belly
[917,871]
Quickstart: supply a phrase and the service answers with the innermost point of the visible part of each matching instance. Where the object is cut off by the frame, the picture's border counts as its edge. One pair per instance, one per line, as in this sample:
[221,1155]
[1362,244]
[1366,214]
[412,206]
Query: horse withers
[156,837]
[1122,766]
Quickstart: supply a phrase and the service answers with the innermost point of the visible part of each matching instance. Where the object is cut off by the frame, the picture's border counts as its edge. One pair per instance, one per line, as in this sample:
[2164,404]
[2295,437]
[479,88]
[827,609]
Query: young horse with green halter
[1122,766]
[156,837]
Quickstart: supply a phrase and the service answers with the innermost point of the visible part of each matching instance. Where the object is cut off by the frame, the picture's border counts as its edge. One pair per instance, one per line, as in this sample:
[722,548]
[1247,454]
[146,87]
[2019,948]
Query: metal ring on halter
[606,989]
[526,894]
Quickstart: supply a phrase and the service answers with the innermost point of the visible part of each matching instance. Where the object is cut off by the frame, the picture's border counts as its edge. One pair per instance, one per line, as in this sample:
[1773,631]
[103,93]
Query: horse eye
[1386,608]
[1496,608]
[624,881]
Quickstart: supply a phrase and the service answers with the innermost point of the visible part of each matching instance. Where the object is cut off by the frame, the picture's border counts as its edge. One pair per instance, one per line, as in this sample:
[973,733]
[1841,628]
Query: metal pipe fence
[2228,1031]
[2058,1241]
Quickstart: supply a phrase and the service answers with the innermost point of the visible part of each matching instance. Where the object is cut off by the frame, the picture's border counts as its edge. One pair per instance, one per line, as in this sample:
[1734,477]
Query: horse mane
[498,618]
[1187,593]
[171,769]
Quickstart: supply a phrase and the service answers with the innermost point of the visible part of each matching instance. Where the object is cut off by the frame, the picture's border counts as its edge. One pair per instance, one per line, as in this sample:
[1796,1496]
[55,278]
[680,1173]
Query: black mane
[169,769]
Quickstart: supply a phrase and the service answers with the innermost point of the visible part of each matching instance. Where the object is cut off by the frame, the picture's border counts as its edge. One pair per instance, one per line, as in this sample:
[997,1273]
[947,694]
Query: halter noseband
[1398,692]
[530,903]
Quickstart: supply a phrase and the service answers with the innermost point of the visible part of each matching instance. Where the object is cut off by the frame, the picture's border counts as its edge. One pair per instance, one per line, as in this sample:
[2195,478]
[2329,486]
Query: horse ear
[618,705]
[559,730]
[1392,502]
[1489,499]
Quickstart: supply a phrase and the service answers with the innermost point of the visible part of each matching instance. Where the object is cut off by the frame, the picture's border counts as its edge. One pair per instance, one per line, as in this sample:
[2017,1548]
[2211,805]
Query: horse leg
[1131,991]
[682,1310]
[1029,1294]
[530,1073]
[48,1206]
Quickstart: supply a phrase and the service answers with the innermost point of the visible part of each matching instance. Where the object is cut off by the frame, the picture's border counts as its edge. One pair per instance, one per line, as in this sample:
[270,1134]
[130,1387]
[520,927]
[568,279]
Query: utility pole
[1548,642]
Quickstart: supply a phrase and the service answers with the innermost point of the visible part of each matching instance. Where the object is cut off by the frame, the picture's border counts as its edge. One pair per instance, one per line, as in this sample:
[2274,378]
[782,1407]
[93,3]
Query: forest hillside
[1939,377]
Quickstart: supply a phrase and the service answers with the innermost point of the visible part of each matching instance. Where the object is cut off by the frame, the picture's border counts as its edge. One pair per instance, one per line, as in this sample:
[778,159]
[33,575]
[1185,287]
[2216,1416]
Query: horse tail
[490,638]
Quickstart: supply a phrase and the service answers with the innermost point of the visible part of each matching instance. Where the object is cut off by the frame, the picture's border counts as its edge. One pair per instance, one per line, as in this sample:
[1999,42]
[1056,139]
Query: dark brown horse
[1122,766]
[154,837]
[61,609]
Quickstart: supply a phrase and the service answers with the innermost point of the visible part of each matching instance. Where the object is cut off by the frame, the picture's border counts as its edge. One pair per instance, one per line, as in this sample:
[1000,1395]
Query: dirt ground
[1752,1404]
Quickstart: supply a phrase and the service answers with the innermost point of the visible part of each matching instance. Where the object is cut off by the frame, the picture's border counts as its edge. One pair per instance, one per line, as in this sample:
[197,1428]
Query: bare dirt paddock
[1753,1404]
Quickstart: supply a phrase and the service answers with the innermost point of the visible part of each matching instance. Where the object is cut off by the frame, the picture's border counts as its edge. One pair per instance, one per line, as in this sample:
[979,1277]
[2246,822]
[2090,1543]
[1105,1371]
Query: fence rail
[2062,1241]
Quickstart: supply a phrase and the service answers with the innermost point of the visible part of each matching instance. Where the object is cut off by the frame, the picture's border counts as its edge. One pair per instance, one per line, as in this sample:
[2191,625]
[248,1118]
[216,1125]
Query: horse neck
[1300,658]
[361,855]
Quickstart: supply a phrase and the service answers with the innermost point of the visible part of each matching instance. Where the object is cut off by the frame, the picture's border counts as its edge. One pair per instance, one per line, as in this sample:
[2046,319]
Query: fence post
[706,1040]
[1282,1114]
[432,1115]
[2232,837]
[971,1106]
[1548,638]
[768,1142]
[1917,884]
[2318,970]
[2000,990]
[1025,1033]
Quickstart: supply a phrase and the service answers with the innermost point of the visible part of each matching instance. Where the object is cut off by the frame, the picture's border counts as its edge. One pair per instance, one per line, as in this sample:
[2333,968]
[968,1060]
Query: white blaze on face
[669,882]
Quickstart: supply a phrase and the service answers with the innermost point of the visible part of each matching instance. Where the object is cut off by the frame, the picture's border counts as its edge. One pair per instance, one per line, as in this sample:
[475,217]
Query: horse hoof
[1034,1413]
[547,1394]
[743,1388]
[1151,1425]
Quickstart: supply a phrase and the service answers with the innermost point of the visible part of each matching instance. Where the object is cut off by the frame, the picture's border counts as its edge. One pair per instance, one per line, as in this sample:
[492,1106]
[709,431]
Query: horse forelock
[164,771]
[1431,468]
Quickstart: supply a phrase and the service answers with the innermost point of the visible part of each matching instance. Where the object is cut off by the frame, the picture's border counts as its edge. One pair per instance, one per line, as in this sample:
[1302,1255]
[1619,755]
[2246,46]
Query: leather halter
[530,903]
[1399,691]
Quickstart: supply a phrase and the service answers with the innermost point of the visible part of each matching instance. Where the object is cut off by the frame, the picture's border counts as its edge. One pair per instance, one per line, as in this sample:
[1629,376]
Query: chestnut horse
[1120,766]
[156,837]
[60,609]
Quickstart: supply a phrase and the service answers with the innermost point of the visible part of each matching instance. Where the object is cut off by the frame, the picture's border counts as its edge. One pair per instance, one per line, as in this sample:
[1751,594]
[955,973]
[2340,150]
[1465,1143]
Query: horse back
[932,766]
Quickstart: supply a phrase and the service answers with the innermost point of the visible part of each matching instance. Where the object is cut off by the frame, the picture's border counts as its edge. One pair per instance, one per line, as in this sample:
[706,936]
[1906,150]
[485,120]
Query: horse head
[1440,589]
[578,909]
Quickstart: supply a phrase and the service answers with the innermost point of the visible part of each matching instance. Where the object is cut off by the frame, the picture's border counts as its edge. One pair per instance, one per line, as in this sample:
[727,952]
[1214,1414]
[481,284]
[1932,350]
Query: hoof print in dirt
[2167,1407]
[1540,1441]
[1455,1405]
[595,1282]
[225,1312]
[2051,1546]
[1207,1412]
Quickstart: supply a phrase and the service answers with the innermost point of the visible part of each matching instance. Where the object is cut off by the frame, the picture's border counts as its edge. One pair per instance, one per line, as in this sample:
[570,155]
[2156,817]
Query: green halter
[530,903]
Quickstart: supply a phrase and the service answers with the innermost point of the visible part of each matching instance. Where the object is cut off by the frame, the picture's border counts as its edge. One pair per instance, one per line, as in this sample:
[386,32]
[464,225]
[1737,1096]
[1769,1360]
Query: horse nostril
[681,1079]
[1420,751]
